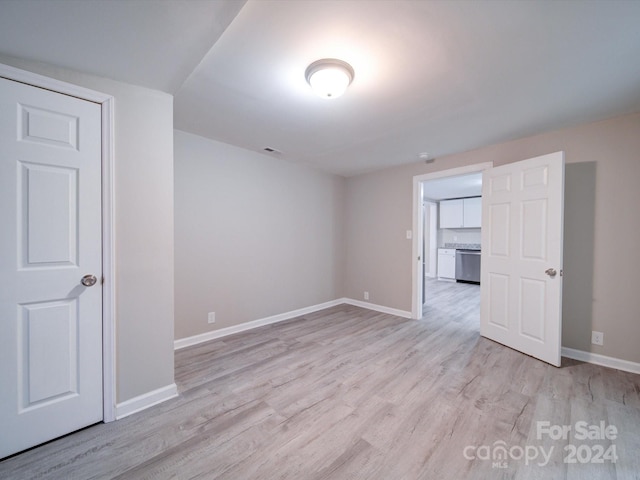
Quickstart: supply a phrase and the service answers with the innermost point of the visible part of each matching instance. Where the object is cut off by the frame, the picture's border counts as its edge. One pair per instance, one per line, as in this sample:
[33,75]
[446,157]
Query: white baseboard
[446,279]
[377,308]
[602,360]
[223,332]
[146,400]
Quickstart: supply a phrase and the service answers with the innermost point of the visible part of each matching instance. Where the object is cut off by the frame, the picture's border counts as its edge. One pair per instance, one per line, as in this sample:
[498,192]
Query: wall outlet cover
[366,295]
[597,338]
[211,318]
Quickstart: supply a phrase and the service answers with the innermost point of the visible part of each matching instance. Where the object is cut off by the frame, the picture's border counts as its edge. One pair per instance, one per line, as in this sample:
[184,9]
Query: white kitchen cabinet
[472,212]
[447,263]
[451,213]
[461,213]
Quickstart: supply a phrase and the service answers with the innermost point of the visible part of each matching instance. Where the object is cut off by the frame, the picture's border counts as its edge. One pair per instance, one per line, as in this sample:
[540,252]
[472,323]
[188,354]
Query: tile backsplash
[459,235]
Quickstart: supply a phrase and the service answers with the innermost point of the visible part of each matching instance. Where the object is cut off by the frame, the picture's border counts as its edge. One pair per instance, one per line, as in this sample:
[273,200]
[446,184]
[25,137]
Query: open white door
[521,281]
[50,265]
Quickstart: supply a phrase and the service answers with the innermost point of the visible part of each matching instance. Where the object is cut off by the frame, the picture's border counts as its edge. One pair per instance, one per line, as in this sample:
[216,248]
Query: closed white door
[521,280]
[50,238]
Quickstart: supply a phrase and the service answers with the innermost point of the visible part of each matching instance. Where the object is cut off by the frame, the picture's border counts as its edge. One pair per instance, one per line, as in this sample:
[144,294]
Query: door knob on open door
[89,280]
[551,272]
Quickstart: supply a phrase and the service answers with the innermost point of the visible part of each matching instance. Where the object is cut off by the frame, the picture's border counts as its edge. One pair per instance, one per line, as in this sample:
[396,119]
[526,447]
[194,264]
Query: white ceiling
[461,186]
[431,76]
[153,43]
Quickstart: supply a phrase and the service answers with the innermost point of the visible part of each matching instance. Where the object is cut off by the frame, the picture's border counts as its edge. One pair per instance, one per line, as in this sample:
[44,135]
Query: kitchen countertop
[463,246]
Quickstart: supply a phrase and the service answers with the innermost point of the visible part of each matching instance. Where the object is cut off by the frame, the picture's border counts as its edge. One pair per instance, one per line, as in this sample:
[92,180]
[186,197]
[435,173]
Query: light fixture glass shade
[329,77]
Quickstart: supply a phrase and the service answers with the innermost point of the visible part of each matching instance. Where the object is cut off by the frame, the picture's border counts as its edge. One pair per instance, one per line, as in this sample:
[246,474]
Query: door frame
[433,253]
[108,224]
[418,228]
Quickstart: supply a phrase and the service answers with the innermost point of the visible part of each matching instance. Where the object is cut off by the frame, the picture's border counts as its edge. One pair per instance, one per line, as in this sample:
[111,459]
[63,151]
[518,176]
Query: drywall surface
[143,226]
[602,225]
[255,236]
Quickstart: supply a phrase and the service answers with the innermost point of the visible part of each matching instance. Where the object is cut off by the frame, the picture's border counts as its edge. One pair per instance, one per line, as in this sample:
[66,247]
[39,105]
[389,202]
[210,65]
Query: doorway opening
[521,271]
[434,234]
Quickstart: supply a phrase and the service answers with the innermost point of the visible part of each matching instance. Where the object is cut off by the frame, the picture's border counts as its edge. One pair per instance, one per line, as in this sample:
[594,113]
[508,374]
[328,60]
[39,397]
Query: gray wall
[144,229]
[255,236]
[602,227]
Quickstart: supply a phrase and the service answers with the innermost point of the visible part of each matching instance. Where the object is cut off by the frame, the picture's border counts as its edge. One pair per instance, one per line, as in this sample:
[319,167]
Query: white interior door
[50,213]
[521,281]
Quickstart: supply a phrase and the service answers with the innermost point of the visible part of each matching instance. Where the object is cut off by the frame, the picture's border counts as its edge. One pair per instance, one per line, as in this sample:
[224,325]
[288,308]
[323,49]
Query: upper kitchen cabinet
[472,212]
[461,213]
[451,213]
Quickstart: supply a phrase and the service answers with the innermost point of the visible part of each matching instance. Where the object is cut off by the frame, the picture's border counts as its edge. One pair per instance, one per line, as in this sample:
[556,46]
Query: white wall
[144,228]
[602,227]
[255,236]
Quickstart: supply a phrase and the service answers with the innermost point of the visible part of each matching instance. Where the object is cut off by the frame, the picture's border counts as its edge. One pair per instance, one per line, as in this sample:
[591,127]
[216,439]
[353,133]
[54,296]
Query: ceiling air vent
[272,150]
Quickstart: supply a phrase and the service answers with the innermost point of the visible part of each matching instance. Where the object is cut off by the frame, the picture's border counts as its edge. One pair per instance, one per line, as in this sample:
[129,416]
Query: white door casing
[430,232]
[521,297]
[50,212]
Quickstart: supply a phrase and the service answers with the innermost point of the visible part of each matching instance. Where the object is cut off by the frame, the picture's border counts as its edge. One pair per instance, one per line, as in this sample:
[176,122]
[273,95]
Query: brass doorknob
[89,280]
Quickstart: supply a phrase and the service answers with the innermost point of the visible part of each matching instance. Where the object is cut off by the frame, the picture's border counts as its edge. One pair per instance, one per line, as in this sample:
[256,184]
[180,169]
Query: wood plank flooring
[348,393]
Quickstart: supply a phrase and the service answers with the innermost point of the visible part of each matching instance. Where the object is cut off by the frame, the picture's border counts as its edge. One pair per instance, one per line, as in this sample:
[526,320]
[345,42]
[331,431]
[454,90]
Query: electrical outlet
[409,234]
[597,338]
[211,318]
[366,295]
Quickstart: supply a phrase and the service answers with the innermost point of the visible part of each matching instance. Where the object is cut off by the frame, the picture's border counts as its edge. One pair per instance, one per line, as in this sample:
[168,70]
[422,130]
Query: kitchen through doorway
[452,209]
[449,205]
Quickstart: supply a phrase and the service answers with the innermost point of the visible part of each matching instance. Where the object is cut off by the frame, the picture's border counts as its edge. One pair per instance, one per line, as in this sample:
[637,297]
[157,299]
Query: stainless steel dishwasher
[468,265]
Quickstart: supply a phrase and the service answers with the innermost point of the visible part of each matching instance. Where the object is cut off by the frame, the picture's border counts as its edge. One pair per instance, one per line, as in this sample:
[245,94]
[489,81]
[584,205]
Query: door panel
[50,210]
[522,238]
[47,127]
[48,360]
[498,289]
[532,308]
[499,215]
[534,229]
[45,193]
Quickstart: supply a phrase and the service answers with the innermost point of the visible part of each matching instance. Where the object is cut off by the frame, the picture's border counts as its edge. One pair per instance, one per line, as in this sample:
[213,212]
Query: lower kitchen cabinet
[447,263]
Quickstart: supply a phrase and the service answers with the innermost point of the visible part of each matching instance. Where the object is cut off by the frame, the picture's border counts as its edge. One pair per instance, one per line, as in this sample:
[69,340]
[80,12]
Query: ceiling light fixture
[329,77]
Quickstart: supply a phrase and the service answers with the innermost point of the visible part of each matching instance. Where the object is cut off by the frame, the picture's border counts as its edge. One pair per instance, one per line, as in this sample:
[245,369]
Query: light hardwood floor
[348,393]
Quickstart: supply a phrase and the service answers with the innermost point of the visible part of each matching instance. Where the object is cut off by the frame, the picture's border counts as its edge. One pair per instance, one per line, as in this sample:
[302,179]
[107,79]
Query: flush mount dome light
[329,77]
